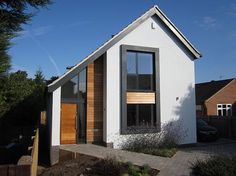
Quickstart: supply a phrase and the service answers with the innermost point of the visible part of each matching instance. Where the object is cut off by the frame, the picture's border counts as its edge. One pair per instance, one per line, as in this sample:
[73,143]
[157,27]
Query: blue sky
[69,30]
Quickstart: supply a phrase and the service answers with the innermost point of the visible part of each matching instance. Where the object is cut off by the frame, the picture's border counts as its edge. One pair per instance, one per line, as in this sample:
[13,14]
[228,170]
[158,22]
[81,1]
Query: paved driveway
[178,165]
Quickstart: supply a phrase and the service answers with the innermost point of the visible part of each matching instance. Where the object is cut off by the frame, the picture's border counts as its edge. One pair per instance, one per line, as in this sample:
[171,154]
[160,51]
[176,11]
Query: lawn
[164,152]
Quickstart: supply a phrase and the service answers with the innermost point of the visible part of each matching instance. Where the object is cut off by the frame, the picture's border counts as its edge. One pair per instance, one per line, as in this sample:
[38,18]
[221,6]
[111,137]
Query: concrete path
[178,165]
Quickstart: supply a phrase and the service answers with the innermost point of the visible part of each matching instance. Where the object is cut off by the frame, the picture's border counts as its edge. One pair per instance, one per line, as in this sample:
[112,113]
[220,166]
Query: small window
[224,109]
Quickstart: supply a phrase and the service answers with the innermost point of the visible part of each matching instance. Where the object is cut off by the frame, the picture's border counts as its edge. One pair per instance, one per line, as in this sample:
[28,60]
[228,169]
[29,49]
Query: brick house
[216,98]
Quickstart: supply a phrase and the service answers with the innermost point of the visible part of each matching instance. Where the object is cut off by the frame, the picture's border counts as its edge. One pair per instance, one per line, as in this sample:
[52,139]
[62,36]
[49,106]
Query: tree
[23,97]
[39,78]
[4,57]
[14,91]
[20,97]
[39,90]
[13,13]
[53,78]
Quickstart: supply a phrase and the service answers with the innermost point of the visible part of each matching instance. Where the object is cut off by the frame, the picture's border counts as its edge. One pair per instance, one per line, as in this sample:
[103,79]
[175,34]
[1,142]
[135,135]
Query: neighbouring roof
[103,48]
[206,90]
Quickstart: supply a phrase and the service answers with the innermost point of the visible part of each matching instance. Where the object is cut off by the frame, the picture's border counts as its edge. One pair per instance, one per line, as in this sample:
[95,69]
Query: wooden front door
[68,123]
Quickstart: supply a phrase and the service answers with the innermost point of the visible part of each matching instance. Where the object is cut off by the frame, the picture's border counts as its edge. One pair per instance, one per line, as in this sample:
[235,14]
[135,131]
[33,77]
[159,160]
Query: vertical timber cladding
[95,101]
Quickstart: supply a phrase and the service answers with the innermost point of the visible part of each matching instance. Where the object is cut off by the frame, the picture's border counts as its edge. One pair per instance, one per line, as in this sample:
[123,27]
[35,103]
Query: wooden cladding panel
[141,98]
[68,126]
[95,101]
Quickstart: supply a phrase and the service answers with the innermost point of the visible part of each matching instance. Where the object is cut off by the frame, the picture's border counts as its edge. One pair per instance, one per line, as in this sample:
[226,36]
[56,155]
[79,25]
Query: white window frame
[227,108]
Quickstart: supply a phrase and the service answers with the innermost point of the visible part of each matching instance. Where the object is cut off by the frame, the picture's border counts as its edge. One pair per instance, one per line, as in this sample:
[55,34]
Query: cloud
[207,22]
[42,30]
[234,35]
[39,31]
[231,10]
[50,58]
[32,35]
[76,24]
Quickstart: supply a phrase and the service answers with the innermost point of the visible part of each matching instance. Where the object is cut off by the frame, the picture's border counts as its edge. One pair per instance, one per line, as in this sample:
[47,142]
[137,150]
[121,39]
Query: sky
[68,30]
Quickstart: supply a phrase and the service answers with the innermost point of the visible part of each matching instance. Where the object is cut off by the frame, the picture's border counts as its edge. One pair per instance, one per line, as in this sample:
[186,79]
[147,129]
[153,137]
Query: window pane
[154,115]
[145,71]
[131,62]
[131,82]
[131,71]
[145,115]
[224,112]
[81,120]
[140,71]
[219,113]
[82,84]
[70,89]
[131,115]
[145,63]
[145,82]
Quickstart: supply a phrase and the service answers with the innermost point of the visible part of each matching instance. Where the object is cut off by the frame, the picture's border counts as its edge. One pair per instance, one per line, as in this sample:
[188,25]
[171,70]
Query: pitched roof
[206,90]
[103,48]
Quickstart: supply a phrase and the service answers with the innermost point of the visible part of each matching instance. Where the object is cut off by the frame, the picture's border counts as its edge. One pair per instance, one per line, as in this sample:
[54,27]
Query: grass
[215,166]
[164,152]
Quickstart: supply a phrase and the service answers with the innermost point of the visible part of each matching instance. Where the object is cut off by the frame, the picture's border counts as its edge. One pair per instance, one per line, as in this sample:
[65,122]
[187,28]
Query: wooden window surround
[141,98]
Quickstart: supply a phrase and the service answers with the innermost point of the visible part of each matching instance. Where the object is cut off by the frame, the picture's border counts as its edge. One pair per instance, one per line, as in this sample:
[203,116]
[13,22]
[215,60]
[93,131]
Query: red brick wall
[227,95]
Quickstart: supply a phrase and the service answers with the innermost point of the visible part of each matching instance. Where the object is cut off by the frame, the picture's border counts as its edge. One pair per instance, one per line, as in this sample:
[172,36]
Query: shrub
[160,144]
[215,166]
[111,166]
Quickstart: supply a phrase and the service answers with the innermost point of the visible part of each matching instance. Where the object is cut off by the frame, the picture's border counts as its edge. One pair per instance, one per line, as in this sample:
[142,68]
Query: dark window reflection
[82,107]
[141,115]
[145,115]
[131,115]
[70,89]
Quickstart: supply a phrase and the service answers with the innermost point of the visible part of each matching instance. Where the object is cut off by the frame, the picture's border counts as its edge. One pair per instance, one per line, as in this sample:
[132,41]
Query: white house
[139,79]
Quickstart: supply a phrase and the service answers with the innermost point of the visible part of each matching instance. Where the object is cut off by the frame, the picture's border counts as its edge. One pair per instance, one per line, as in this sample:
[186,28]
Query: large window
[140,71]
[139,75]
[224,109]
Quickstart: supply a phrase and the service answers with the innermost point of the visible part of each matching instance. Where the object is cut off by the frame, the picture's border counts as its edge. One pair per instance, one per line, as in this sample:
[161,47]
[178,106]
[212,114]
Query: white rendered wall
[56,113]
[177,81]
